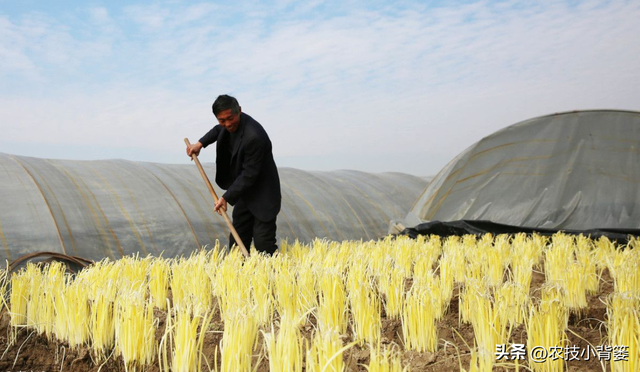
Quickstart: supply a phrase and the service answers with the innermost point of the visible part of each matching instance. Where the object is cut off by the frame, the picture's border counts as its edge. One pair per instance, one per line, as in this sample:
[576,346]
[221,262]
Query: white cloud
[149,17]
[99,15]
[385,80]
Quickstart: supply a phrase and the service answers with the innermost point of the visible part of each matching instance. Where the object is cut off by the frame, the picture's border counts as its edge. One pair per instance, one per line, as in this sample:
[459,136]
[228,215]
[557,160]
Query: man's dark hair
[225,102]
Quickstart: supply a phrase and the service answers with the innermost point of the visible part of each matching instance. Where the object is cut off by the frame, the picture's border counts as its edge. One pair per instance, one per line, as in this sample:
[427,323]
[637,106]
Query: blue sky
[387,86]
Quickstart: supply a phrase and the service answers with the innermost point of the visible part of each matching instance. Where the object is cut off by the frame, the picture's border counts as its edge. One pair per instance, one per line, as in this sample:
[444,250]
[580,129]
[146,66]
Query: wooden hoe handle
[243,249]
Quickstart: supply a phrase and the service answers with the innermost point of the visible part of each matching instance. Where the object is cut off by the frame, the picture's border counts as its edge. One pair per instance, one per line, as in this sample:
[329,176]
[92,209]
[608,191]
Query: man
[246,169]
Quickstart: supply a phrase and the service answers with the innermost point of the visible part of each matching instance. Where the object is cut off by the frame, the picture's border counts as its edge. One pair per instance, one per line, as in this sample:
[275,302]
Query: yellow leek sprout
[546,328]
[131,274]
[191,285]
[525,254]
[623,267]
[391,285]
[333,302]
[286,349]
[365,306]
[405,251]
[419,329]
[385,360]
[489,325]
[261,284]
[586,255]
[559,254]
[512,300]
[428,253]
[102,324]
[624,329]
[52,284]
[77,307]
[325,353]
[446,280]
[286,287]
[34,274]
[231,290]
[569,264]
[575,285]
[307,293]
[452,249]
[134,330]
[495,258]
[187,341]
[159,282]
[238,340]
[19,299]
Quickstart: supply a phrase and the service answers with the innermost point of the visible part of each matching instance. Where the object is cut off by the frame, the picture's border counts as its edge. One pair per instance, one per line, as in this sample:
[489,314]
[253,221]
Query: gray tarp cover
[111,208]
[575,170]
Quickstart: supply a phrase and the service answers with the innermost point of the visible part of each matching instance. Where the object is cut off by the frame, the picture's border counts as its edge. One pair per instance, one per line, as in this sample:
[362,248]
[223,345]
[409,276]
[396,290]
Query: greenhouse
[568,171]
[113,208]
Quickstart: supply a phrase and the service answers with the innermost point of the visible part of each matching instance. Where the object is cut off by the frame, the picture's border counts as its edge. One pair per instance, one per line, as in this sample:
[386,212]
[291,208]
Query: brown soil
[33,352]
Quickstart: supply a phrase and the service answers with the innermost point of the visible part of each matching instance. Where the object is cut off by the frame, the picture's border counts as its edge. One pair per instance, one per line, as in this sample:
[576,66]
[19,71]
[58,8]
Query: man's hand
[220,206]
[194,149]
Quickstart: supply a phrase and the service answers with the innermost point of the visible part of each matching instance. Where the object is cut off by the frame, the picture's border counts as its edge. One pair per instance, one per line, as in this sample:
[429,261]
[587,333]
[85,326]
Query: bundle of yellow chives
[446,280]
[159,282]
[385,360]
[77,307]
[405,251]
[586,256]
[201,289]
[187,342]
[570,263]
[379,258]
[473,264]
[261,284]
[336,257]
[215,255]
[603,248]
[325,353]
[419,329]
[229,286]
[489,326]
[575,284]
[102,323]
[545,328]
[97,277]
[238,340]
[297,250]
[286,287]
[130,272]
[19,298]
[453,251]
[623,325]
[332,302]
[525,254]
[365,306]
[307,293]
[473,290]
[427,254]
[285,350]
[134,330]
[559,254]
[512,300]
[35,290]
[52,285]
[624,270]
[496,259]
[391,284]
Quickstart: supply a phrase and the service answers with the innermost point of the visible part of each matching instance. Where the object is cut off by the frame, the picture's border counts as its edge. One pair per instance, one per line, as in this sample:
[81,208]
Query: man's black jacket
[248,171]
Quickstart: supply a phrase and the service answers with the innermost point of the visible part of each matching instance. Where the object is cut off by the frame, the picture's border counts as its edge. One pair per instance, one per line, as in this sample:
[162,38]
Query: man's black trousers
[249,227]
